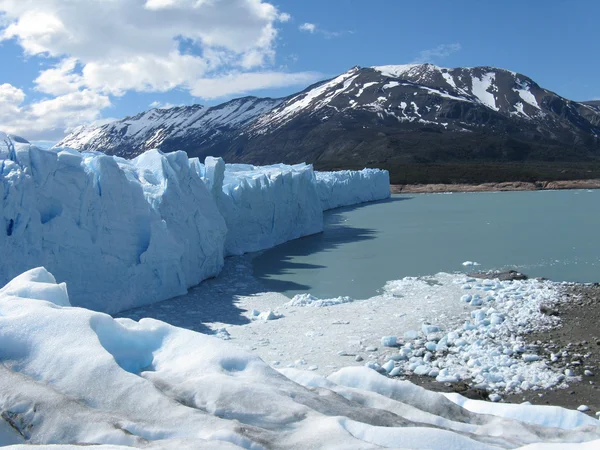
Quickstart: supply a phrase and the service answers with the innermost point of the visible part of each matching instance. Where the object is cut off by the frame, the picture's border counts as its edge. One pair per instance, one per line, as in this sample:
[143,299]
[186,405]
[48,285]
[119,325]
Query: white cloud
[310,27]
[242,83]
[160,105]
[284,17]
[108,47]
[48,118]
[441,51]
[314,28]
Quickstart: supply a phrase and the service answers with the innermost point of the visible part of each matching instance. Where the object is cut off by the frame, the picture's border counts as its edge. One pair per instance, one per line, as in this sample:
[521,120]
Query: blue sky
[68,62]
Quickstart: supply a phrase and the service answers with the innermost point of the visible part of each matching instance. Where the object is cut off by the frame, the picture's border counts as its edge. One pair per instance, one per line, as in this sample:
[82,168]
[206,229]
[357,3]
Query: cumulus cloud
[106,48]
[48,118]
[441,51]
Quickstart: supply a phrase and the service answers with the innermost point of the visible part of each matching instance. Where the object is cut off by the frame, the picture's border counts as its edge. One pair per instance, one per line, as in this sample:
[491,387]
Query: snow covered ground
[446,326]
[74,376]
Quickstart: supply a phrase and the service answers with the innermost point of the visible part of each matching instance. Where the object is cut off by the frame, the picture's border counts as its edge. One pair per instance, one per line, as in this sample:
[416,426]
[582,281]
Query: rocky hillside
[422,122]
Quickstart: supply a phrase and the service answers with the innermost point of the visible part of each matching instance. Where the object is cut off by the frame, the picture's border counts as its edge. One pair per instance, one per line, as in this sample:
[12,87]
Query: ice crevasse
[123,233]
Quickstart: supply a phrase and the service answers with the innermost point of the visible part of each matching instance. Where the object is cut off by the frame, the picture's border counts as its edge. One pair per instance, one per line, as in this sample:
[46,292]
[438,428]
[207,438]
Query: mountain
[422,122]
[594,103]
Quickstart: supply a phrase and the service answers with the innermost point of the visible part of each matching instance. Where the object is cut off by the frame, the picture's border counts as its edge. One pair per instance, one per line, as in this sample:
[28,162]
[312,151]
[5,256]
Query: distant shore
[490,187]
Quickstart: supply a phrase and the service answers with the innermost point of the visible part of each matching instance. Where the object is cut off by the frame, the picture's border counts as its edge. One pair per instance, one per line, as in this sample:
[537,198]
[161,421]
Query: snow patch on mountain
[482,89]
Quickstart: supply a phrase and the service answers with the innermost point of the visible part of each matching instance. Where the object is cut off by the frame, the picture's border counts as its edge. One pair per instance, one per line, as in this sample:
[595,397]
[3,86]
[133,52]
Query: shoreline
[576,344]
[495,187]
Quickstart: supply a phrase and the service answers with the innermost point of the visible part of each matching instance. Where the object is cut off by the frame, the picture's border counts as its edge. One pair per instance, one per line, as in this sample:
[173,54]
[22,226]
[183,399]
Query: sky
[66,63]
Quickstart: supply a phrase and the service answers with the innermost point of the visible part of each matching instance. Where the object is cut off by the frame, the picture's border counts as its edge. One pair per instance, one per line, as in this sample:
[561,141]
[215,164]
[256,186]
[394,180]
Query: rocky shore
[572,348]
[490,187]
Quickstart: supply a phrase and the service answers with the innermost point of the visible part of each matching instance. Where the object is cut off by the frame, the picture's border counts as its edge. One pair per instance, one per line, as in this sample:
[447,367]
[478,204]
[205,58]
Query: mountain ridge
[402,118]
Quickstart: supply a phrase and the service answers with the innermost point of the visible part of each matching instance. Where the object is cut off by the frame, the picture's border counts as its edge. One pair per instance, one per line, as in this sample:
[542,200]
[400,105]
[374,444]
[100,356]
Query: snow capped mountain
[388,116]
[158,127]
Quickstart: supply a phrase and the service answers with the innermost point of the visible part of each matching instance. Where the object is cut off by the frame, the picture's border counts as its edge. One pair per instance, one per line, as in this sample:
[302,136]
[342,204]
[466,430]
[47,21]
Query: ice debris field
[120,234]
[74,376]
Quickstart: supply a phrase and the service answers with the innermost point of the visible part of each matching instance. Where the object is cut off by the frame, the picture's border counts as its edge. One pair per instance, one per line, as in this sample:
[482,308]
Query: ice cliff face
[122,233]
[126,233]
[349,187]
[264,206]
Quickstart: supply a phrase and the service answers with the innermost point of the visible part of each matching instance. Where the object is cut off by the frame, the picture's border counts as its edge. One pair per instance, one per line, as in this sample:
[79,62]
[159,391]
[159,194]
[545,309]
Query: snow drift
[122,233]
[74,376]
[349,187]
[264,206]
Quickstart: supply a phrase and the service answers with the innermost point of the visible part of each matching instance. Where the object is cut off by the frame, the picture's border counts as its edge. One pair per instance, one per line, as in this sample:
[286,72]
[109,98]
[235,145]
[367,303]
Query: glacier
[124,233]
[74,376]
[264,206]
[350,187]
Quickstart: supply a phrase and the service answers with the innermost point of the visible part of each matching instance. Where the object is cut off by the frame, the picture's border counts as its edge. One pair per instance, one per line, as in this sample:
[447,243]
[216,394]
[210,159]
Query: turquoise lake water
[552,234]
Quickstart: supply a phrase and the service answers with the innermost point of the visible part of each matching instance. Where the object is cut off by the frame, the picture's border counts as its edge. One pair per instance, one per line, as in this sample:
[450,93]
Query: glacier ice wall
[126,233]
[349,187]
[121,233]
[264,206]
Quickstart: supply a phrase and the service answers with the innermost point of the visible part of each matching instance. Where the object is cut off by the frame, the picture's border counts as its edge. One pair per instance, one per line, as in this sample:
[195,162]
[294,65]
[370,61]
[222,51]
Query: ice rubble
[127,233]
[74,376]
[488,350]
[349,187]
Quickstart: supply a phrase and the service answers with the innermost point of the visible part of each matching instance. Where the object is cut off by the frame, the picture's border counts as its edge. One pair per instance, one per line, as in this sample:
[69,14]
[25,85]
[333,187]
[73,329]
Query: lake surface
[553,234]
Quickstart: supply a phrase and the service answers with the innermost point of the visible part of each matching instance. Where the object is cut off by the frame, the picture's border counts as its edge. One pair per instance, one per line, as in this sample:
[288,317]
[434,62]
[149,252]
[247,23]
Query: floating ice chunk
[222,333]
[312,301]
[583,408]
[466,298]
[470,263]
[395,371]
[269,315]
[431,346]
[422,370]
[389,341]
[446,377]
[388,366]
[428,329]
[411,334]
[494,398]
[373,365]
[529,357]
[476,301]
